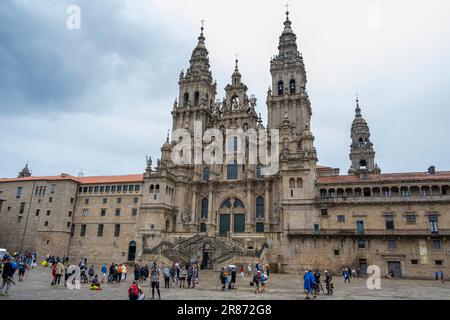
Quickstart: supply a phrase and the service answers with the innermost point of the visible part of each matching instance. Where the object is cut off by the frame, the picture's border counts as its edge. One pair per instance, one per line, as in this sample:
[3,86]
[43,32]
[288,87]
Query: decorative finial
[167,139]
[236,60]
[287,11]
[358,109]
[202,22]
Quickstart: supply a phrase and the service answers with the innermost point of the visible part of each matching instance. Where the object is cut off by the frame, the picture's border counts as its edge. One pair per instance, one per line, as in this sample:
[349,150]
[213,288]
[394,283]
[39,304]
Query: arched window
[363,164]
[292,183]
[157,188]
[185,99]
[280,88]
[360,142]
[299,183]
[196,98]
[232,170]
[260,207]
[226,204]
[292,86]
[238,204]
[206,174]
[204,208]
[152,188]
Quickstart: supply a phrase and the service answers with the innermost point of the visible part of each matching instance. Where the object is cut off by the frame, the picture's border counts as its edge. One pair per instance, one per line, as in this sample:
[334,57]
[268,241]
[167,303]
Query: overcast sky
[98,99]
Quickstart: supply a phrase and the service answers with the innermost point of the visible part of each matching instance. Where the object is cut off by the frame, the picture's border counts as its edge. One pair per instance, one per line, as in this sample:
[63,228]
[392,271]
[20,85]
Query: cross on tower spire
[202,22]
[287,11]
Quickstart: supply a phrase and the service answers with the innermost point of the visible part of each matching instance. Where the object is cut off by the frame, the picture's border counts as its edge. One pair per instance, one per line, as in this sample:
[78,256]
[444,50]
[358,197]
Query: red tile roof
[388,177]
[82,180]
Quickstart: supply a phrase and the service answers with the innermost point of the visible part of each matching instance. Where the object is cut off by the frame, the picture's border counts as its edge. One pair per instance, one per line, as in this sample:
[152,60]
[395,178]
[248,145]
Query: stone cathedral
[303,216]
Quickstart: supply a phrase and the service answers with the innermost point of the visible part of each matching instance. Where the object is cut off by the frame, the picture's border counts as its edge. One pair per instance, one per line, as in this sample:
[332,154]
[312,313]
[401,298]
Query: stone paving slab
[280,287]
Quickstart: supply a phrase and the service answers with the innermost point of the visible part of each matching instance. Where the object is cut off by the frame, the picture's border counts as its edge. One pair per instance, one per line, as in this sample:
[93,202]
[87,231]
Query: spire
[236,76]
[287,48]
[358,109]
[199,62]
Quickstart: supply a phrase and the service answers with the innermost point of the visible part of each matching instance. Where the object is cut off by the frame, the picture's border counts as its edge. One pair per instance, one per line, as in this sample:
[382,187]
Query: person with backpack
[22,268]
[166,273]
[135,292]
[264,279]
[257,280]
[223,277]
[154,277]
[59,269]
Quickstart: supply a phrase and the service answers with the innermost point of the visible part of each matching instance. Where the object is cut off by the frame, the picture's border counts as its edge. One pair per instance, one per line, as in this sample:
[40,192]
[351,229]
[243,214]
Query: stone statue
[149,162]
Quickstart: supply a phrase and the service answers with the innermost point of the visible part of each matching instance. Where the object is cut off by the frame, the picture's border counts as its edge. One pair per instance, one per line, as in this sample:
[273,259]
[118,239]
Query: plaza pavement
[280,286]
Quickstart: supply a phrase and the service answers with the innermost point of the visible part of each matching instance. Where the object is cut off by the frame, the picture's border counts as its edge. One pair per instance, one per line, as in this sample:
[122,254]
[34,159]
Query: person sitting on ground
[95,284]
[134,291]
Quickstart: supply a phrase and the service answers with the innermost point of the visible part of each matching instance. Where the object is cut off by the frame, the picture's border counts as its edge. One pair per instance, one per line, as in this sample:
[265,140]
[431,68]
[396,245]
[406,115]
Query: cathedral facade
[300,216]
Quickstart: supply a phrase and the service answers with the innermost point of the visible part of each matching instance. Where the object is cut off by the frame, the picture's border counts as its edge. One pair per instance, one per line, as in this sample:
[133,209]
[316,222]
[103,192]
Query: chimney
[431,170]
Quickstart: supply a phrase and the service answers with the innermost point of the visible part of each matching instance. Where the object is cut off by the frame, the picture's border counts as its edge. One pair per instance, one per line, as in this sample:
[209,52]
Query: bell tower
[288,94]
[362,154]
[196,90]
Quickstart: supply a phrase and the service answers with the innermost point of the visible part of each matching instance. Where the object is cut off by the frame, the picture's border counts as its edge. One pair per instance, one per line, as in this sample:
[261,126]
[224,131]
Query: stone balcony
[370,232]
[381,199]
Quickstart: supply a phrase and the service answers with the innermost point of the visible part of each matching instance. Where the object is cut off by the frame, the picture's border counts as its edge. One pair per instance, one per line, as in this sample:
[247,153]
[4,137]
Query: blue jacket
[309,281]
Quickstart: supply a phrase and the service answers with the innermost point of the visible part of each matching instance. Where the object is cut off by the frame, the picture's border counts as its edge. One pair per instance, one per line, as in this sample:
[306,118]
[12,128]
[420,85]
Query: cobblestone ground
[36,286]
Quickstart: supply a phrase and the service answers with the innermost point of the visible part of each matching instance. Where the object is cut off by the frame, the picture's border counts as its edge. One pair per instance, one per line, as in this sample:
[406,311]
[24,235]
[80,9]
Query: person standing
[442,277]
[111,273]
[91,273]
[267,270]
[154,277]
[249,269]
[436,276]
[183,274]
[166,274]
[103,271]
[22,268]
[124,272]
[308,283]
[173,272]
[53,274]
[241,272]
[195,275]
[119,272]
[7,274]
[222,277]
[59,271]
[233,279]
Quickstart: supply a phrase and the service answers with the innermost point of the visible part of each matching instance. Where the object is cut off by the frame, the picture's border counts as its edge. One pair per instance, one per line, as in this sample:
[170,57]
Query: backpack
[133,292]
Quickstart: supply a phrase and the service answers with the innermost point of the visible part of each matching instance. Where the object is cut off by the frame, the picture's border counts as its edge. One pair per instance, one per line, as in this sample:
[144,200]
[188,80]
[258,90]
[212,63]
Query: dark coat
[8,270]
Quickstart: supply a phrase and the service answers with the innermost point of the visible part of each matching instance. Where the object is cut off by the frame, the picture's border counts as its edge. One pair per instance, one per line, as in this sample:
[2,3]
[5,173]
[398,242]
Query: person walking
[241,271]
[442,277]
[111,273]
[195,275]
[7,275]
[328,283]
[183,274]
[223,277]
[124,272]
[173,272]
[249,269]
[53,274]
[119,273]
[22,266]
[436,276]
[103,270]
[267,270]
[154,277]
[257,280]
[308,283]
[233,279]
[59,271]
[178,270]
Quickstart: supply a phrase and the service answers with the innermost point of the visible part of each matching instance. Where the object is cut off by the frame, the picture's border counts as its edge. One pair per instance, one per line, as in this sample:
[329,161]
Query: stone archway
[131,251]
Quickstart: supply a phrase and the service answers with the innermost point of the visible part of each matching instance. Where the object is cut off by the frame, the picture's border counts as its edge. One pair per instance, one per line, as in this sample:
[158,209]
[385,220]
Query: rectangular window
[19,218]
[433,223]
[437,244]
[131,188]
[336,252]
[316,229]
[135,200]
[414,261]
[68,224]
[107,189]
[86,201]
[50,199]
[323,212]
[70,213]
[392,244]
[410,218]
[137,187]
[46,224]
[48,212]
[96,189]
[83,230]
[125,188]
[259,227]
[405,193]
[103,212]
[361,244]
[43,192]
[117,212]
[72,230]
[85,212]
[52,188]
[113,188]
[19,192]
[102,189]
[72,200]
[341,218]
[134,211]
[119,188]
[389,221]
[36,191]
[37,212]
[119,200]
[22,208]
[232,171]
[117,230]
[105,200]
[438,262]
[91,189]
[202,227]
[80,189]
[100,230]
[360,227]
[85,189]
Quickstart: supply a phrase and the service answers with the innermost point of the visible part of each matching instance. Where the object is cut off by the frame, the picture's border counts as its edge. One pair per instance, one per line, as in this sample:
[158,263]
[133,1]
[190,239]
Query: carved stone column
[250,211]
[266,207]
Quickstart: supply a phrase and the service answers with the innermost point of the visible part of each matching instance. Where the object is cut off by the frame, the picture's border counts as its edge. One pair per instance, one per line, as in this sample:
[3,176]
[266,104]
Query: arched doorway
[231,216]
[132,251]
